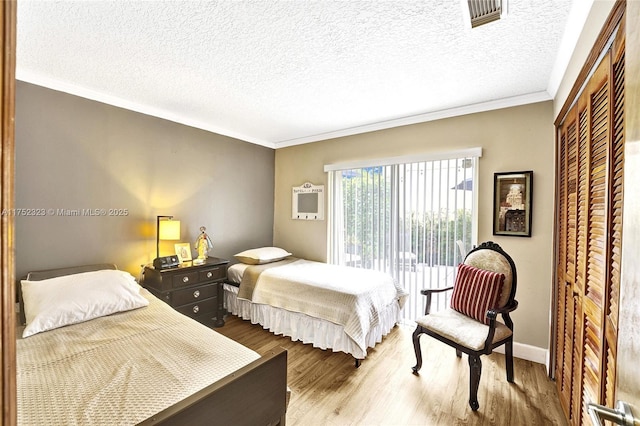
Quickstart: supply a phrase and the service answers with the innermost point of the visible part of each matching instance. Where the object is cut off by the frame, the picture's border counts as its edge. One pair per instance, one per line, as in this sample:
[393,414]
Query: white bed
[149,364]
[282,289]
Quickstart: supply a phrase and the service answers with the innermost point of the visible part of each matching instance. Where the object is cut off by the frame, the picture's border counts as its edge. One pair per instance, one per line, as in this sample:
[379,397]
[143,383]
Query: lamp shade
[169,230]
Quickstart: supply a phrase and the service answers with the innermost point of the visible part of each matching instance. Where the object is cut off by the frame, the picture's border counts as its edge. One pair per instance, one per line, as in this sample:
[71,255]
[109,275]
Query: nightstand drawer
[185,278]
[191,295]
[213,273]
[194,290]
[199,308]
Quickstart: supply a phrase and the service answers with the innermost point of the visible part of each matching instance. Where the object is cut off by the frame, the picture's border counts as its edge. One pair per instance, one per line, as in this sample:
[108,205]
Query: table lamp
[166,229]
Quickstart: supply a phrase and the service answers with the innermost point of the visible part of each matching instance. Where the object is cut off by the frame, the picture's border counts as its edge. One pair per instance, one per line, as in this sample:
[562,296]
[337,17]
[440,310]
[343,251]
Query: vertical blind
[412,218]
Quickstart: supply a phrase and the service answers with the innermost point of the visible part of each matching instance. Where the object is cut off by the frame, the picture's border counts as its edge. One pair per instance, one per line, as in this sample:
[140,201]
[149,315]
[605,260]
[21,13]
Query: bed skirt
[300,327]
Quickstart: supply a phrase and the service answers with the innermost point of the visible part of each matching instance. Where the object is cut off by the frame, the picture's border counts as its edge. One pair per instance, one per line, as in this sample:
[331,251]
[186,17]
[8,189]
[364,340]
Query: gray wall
[73,153]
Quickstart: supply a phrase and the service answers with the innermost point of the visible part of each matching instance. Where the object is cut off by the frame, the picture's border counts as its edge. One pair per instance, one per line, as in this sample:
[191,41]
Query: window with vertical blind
[414,217]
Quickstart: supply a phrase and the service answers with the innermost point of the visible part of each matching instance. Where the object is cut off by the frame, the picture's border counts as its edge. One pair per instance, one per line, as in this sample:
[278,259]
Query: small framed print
[183,251]
[512,202]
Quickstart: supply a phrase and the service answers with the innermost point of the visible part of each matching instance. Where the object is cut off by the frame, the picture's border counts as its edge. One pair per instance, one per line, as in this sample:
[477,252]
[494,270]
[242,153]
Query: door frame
[7,158]
[628,350]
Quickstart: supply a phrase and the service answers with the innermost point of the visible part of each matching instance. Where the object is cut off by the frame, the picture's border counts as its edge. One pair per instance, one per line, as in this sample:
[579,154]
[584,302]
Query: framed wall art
[512,202]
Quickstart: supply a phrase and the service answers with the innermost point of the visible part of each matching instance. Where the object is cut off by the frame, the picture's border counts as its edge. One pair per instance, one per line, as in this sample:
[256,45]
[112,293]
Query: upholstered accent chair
[485,287]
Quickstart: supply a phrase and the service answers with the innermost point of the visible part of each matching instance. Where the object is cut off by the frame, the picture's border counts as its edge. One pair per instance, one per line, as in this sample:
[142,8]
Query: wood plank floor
[327,389]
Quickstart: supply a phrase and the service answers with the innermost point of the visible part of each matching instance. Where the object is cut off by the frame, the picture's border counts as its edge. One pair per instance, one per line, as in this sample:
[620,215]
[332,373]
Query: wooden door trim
[7,155]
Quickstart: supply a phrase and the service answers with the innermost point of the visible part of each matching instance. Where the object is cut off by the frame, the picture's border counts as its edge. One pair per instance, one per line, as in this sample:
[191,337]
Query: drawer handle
[196,309]
[196,294]
[209,274]
[185,279]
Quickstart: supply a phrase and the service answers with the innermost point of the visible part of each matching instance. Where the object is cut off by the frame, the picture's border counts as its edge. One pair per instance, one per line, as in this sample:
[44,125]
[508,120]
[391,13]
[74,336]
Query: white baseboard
[528,352]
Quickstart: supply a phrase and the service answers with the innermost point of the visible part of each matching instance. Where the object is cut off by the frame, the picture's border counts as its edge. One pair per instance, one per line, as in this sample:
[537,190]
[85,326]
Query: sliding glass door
[414,218]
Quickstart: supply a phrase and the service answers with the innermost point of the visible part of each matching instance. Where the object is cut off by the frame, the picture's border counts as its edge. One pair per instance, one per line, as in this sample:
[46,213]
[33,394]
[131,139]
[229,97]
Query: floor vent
[484,11]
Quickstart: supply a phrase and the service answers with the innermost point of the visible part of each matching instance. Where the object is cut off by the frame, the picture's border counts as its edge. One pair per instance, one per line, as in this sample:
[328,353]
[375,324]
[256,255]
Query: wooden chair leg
[475,369]
[416,348]
[508,354]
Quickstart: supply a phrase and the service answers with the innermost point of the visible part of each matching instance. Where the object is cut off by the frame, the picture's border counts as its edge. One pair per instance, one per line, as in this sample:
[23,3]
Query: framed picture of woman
[512,195]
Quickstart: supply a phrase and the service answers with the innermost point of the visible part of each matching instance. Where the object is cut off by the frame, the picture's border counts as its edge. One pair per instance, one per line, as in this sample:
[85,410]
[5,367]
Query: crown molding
[83,92]
[76,90]
[422,118]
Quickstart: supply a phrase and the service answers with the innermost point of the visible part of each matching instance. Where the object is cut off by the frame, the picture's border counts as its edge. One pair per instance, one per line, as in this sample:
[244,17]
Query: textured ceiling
[278,73]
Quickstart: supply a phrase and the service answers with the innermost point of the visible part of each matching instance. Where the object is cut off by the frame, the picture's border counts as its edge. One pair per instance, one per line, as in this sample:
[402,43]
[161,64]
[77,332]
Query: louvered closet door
[593,301]
[582,225]
[616,164]
[567,171]
[589,211]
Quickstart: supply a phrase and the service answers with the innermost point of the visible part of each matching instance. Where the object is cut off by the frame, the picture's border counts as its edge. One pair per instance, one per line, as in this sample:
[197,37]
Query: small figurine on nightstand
[203,245]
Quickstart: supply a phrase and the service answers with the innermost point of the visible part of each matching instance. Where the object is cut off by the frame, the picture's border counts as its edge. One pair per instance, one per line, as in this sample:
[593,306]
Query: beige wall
[512,139]
[73,153]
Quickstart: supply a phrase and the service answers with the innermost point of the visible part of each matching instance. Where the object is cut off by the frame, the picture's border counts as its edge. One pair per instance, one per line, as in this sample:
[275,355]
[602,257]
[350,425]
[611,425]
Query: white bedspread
[347,296]
[120,369]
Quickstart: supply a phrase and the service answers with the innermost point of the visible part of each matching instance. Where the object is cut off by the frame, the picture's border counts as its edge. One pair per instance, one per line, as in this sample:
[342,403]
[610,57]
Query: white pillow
[259,256]
[71,299]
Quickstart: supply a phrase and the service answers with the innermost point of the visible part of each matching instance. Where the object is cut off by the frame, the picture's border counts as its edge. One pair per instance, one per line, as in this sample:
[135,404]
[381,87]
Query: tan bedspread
[347,296]
[120,369]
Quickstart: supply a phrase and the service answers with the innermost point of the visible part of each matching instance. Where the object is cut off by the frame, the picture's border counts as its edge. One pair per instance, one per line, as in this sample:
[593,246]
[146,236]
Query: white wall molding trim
[513,101]
[83,92]
[528,352]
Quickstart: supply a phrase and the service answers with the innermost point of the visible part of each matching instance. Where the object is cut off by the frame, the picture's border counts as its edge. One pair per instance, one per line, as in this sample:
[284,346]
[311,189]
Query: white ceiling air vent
[484,11]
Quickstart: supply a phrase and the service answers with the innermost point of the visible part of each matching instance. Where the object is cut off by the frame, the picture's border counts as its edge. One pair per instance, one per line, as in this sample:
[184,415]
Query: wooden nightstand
[194,290]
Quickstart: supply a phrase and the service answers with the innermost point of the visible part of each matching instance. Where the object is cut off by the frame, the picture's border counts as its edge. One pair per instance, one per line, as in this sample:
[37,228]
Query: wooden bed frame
[256,394]
[253,395]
